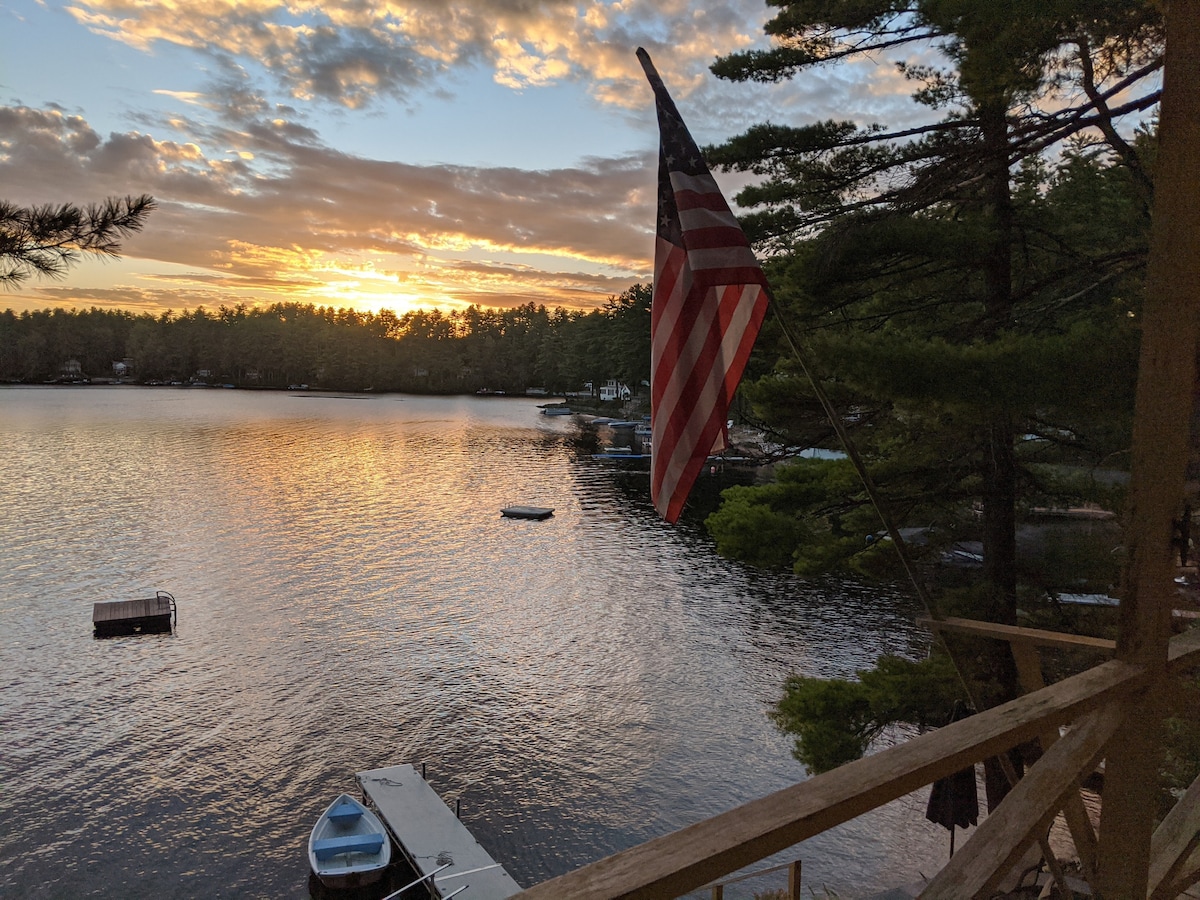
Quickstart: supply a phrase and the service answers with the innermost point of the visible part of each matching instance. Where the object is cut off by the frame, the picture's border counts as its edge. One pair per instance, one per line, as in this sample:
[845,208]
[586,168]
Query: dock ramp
[431,836]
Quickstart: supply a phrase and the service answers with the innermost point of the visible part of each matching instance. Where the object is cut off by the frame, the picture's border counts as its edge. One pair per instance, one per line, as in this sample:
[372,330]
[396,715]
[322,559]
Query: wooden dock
[152,614]
[431,837]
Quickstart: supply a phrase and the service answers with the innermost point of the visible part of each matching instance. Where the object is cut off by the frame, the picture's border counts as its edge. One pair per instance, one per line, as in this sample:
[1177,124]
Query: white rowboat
[348,846]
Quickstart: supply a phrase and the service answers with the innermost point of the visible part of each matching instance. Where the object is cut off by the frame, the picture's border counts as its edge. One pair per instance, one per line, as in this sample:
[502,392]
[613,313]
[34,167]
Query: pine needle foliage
[47,240]
[835,720]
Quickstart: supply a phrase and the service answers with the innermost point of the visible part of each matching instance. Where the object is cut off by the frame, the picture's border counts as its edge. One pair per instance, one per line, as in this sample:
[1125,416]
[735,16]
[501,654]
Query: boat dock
[431,837]
[153,614]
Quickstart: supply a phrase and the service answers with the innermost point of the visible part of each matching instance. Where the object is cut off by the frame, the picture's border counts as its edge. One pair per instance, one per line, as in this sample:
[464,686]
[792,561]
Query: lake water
[349,597]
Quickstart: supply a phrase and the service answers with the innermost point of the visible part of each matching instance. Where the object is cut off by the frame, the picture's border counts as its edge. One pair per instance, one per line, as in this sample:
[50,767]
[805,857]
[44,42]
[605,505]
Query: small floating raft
[153,614]
[527,512]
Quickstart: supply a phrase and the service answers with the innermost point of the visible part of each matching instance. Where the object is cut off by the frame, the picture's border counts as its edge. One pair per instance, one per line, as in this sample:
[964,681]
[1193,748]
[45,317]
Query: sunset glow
[388,156]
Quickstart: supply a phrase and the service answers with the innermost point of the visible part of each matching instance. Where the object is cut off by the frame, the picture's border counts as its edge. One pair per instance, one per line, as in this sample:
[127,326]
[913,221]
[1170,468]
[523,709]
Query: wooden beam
[691,857]
[1183,650]
[1029,671]
[1037,636]
[1026,812]
[1175,839]
[1163,405]
[1189,874]
[1029,665]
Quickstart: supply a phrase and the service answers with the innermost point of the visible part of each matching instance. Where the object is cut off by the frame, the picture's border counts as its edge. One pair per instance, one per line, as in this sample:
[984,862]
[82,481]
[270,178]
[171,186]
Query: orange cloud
[312,223]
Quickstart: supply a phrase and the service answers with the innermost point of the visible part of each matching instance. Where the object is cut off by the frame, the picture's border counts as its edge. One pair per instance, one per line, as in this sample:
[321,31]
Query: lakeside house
[615,390]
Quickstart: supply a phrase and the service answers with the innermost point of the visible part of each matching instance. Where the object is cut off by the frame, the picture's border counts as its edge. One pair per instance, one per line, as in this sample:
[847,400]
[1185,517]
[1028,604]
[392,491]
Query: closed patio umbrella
[954,800]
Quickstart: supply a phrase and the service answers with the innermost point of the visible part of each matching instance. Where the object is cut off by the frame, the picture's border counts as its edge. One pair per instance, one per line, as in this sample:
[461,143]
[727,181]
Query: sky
[377,154]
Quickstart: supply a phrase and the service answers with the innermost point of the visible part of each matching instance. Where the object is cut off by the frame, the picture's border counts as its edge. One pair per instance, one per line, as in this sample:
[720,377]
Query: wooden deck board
[430,834]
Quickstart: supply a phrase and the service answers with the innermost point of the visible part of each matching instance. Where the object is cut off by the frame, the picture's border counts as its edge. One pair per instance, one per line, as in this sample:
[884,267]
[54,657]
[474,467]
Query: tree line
[341,349]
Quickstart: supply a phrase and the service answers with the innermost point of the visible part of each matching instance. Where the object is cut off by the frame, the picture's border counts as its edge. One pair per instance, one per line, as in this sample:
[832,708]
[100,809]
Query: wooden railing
[1093,703]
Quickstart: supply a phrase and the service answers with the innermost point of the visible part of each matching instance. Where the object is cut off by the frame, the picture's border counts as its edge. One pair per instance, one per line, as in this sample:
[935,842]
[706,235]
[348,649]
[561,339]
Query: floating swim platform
[527,512]
[151,614]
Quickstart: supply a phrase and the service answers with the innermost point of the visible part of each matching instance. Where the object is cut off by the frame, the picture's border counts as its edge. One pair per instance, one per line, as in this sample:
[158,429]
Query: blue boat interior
[326,848]
[344,814]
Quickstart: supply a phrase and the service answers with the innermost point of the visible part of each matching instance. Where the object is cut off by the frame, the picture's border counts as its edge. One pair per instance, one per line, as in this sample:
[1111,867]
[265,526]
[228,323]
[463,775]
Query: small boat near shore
[349,846]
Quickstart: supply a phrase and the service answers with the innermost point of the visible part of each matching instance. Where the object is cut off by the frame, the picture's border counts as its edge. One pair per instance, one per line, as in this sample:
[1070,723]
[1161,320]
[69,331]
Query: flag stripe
[696,427]
[721,338]
[709,299]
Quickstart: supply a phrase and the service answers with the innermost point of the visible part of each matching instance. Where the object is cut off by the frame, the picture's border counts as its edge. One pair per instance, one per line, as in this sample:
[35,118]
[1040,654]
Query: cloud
[132,299]
[352,53]
[282,215]
[257,205]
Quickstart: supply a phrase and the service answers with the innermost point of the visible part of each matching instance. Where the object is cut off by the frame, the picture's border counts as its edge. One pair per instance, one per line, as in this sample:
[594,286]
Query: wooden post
[1162,416]
[794,881]
[1029,670]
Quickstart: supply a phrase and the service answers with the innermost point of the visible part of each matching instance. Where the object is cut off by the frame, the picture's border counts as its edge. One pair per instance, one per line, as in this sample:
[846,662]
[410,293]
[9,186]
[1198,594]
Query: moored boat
[349,846]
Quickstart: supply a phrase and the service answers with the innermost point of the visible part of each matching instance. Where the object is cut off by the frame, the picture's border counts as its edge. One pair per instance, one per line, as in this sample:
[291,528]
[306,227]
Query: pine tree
[967,288]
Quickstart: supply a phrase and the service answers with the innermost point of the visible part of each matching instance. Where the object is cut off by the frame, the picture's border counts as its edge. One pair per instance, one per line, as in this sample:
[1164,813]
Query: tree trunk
[999,464]
[997,672]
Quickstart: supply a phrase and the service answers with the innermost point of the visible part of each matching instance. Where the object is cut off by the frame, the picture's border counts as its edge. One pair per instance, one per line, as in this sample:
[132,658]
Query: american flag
[710,296]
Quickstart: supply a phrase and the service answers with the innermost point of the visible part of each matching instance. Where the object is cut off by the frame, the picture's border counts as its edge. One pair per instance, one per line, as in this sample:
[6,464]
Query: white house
[614,390]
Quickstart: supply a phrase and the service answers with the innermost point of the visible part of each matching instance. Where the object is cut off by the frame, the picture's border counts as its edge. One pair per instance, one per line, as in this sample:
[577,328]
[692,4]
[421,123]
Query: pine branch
[45,241]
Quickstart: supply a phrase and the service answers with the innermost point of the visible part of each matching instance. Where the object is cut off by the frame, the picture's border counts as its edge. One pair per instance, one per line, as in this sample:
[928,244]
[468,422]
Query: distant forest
[340,349]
